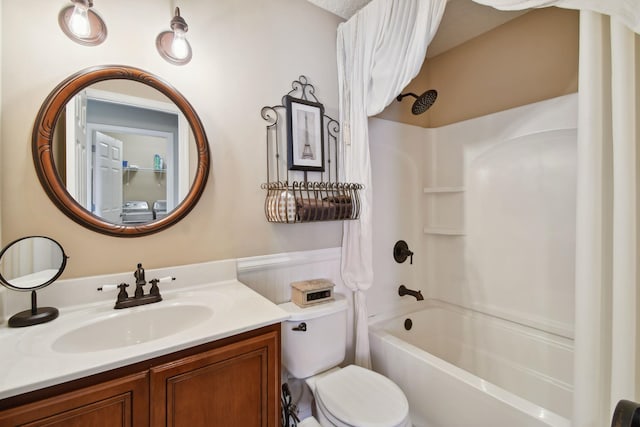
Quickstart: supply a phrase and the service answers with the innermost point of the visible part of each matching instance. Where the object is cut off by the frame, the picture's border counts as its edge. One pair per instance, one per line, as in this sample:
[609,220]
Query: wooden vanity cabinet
[120,402]
[231,382]
[229,386]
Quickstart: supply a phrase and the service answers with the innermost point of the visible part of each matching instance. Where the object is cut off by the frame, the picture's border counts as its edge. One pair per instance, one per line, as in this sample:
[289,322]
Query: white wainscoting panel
[272,275]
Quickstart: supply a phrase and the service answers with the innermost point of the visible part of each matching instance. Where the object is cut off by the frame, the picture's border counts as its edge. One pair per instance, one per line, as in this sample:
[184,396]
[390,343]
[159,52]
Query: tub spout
[402,291]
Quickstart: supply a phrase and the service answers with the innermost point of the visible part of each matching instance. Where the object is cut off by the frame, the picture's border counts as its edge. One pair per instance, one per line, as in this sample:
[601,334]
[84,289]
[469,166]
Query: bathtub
[462,368]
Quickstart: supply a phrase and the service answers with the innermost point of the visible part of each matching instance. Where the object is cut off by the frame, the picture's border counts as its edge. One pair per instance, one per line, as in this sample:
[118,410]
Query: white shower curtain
[607,330]
[607,324]
[380,49]
[626,11]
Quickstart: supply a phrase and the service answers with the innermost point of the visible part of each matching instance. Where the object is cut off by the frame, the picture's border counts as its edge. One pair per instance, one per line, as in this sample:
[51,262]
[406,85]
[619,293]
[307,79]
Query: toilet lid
[359,397]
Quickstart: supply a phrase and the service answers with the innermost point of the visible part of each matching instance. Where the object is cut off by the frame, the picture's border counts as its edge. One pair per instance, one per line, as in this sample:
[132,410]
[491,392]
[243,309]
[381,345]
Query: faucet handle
[401,252]
[122,295]
[154,284]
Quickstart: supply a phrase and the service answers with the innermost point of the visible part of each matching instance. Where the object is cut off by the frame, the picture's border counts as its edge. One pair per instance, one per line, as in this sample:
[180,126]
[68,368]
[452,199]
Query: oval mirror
[28,264]
[120,151]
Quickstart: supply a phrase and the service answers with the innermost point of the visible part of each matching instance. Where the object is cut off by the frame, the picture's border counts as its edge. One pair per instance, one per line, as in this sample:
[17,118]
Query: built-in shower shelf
[437,190]
[441,231]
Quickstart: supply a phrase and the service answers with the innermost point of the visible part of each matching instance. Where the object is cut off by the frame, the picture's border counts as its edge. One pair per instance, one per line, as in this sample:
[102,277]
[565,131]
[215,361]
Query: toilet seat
[355,396]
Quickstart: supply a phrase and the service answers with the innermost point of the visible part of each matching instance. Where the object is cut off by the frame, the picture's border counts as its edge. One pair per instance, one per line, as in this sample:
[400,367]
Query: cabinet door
[120,402]
[234,385]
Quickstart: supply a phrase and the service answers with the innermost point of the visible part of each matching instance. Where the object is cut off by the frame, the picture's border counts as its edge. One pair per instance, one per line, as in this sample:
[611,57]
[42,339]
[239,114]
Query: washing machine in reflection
[159,209]
[136,212]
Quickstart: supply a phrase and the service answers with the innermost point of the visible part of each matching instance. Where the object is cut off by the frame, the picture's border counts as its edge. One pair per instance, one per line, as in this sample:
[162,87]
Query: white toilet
[313,345]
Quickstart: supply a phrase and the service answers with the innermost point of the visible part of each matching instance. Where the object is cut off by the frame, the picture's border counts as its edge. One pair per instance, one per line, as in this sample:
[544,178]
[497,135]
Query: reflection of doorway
[142,179]
[107,178]
[126,117]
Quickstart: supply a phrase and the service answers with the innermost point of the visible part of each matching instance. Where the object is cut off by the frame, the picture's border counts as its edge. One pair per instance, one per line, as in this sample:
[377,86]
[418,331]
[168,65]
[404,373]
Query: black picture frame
[305,135]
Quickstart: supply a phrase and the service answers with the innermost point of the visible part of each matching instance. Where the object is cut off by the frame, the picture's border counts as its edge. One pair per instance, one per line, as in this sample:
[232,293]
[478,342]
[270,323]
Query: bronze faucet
[139,298]
[140,281]
[402,291]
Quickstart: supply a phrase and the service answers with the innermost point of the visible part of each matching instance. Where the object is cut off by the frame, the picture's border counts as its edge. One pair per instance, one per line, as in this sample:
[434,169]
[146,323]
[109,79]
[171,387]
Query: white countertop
[29,362]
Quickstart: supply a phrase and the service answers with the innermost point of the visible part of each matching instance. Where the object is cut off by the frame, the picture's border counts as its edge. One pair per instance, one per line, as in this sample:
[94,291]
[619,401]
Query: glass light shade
[173,45]
[180,45]
[82,24]
[79,22]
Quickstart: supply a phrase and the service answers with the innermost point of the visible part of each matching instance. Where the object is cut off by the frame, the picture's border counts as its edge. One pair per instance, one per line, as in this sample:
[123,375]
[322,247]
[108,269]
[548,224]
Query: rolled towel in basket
[315,210]
[344,207]
[329,208]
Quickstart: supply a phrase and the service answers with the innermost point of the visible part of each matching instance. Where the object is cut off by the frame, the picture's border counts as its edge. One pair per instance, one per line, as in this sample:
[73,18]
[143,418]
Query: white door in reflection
[148,127]
[107,185]
[78,150]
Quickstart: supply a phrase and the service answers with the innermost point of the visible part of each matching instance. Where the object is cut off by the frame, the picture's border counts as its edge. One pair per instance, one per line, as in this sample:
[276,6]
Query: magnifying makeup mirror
[29,264]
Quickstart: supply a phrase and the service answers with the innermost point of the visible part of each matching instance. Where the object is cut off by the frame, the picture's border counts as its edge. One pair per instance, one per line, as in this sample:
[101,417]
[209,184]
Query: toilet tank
[322,345]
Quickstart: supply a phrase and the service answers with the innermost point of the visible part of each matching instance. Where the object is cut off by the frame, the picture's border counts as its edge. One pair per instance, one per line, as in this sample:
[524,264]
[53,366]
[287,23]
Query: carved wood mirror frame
[42,149]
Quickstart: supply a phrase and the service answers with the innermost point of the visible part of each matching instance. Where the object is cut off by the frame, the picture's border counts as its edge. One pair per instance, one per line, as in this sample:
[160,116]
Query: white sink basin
[128,327]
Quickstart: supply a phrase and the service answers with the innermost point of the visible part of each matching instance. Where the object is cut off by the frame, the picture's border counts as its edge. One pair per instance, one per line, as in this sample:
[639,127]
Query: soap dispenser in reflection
[156,161]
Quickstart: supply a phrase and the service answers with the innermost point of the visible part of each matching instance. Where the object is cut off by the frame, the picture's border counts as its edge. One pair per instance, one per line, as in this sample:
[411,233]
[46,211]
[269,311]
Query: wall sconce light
[173,45]
[82,24]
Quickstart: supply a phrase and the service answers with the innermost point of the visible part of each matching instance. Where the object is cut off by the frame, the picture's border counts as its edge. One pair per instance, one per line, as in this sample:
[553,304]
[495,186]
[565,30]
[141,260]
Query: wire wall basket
[302,162]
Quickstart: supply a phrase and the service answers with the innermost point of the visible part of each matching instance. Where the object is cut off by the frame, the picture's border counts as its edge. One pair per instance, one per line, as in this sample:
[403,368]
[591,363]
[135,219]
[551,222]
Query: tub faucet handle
[401,252]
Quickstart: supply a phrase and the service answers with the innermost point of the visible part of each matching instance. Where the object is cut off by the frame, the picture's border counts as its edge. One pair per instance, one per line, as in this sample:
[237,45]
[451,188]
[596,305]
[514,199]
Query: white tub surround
[500,214]
[498,244]
[33,357]
[459,368]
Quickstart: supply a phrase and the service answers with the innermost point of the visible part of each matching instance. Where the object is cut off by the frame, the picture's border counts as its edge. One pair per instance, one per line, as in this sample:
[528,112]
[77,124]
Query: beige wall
[529,59]
[246,54]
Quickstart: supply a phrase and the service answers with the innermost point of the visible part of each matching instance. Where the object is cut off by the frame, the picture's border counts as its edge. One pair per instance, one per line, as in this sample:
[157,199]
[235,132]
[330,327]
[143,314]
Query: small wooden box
[311,292]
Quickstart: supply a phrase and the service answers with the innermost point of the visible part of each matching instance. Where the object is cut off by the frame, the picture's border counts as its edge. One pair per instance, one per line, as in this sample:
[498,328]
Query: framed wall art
[305,137]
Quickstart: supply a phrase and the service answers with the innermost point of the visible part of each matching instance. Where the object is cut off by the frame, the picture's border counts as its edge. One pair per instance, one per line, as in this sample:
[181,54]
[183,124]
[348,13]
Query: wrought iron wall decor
[291,196]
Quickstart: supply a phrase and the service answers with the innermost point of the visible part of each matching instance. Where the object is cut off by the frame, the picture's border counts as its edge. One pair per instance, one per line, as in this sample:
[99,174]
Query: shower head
[422,102]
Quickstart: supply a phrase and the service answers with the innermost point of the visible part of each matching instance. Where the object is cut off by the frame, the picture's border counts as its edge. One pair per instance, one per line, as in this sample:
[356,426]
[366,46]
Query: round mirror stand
[29,264]
[34,316]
